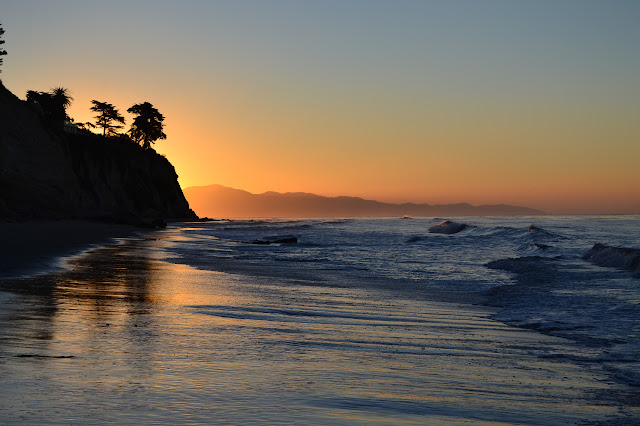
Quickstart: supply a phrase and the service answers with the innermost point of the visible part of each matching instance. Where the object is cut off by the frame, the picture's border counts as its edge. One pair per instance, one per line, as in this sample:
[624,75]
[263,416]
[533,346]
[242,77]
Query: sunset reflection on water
[108,329]
[124,336]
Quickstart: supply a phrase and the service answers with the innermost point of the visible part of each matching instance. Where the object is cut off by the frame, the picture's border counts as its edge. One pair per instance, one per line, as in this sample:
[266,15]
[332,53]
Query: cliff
[219,201]
[47,174]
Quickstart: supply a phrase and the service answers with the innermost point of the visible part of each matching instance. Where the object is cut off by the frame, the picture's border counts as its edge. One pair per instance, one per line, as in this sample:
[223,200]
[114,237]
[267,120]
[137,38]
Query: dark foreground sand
[35,246]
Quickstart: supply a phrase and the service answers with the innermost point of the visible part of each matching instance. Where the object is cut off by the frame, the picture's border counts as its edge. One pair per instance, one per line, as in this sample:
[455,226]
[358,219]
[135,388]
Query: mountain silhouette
[217,201]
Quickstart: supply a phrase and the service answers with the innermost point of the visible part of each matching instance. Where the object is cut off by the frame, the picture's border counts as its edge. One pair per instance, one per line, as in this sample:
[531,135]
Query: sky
[533,103]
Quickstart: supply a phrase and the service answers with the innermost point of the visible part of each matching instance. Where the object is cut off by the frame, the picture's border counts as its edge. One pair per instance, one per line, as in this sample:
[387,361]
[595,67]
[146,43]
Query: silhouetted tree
[61,99]
[43,99]
[2,51]
[54,104]
[107,116]
[86,126]
[147,125]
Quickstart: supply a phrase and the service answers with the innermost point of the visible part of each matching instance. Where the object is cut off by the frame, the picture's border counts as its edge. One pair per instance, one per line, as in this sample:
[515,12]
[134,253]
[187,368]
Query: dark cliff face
[49,174]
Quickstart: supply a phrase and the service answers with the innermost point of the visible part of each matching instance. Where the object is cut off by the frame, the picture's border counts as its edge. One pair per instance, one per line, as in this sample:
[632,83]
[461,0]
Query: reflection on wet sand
[125,337]
[93,307]
[107,284]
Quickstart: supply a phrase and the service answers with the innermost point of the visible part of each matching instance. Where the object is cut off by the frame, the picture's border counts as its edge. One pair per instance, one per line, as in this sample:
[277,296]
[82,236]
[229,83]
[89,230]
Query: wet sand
[126,337]
[35,246]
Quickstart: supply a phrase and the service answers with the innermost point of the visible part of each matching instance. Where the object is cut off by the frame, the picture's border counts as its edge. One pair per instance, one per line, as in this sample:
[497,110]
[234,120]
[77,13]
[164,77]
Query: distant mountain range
[217,201]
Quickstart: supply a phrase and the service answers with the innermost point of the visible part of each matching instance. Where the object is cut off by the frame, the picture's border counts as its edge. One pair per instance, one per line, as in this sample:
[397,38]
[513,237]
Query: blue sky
[433,101]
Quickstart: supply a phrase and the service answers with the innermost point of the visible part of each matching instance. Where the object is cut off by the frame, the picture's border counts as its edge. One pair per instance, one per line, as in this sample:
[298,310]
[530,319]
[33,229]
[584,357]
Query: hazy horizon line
[399,202]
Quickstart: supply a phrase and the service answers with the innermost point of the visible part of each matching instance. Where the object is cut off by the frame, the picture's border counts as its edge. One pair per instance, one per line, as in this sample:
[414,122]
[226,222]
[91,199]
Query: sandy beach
[35,246]
[127,336]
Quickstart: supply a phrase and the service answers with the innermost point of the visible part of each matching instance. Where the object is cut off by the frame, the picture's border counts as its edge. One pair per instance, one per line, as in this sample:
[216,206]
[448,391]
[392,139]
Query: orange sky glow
[435,102]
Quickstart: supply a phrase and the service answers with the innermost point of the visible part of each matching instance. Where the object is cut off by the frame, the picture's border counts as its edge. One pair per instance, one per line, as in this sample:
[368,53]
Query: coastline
[132,332]
[129,337]
[36,247]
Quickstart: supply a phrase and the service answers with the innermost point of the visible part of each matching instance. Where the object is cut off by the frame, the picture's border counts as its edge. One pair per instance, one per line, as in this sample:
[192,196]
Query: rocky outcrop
[447,227]
[45,173]
[615,257]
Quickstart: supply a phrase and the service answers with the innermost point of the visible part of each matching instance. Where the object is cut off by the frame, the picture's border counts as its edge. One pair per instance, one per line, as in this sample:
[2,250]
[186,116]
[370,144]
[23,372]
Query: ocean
[359,321]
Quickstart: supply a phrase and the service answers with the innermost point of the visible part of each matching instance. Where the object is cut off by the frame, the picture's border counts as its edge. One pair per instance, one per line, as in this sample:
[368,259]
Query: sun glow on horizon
[421,102]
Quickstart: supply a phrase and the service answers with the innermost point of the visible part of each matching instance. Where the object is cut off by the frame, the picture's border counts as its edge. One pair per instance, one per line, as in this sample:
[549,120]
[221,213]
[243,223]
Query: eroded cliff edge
[49,174]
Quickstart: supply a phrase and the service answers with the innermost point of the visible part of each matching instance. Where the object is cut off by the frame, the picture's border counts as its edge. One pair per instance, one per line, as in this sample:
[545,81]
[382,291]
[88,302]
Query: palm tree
[107,115]
[147,125]
[62,99]
[53,103]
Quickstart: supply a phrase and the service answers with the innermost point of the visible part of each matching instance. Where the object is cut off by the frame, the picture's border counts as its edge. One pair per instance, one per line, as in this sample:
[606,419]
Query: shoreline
[36,247]
[118,336]
[127,323]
